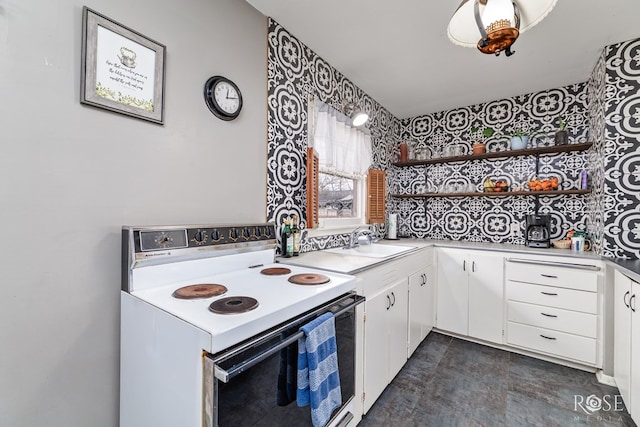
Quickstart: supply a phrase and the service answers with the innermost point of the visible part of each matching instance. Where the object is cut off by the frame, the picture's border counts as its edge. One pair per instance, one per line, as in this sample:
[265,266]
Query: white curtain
[343,149]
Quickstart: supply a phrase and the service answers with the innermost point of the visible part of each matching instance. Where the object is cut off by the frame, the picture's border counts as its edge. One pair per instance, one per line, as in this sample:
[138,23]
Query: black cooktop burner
[233,305]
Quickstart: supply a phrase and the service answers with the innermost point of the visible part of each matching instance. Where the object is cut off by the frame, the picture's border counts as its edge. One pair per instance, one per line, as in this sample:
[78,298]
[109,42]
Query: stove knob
[215,236]
[200,237]
[259,232]
[269,232]
[246,234]
[233,234]
[163,240]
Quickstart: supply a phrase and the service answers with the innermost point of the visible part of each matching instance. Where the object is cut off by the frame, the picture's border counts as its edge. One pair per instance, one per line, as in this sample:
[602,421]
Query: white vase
[519,143]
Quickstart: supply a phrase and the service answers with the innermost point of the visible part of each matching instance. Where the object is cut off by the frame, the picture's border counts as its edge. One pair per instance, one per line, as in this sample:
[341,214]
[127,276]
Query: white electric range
[204,304]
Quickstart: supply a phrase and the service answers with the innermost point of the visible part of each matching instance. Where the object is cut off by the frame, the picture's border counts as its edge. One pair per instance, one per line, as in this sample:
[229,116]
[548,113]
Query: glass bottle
[286,240]
[295,232]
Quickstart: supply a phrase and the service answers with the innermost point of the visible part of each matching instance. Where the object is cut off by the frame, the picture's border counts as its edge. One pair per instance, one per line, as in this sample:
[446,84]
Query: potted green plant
[562,135]
[481,147]
[519,138]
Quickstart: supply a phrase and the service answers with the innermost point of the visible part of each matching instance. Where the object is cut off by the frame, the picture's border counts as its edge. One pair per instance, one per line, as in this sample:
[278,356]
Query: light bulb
[360,118]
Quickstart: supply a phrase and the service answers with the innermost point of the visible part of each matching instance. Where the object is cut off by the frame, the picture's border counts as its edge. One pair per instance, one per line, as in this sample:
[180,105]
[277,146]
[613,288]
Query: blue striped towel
[318,378]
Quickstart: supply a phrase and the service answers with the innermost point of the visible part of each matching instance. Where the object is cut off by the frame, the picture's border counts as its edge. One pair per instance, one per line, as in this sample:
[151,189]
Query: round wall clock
[223,97]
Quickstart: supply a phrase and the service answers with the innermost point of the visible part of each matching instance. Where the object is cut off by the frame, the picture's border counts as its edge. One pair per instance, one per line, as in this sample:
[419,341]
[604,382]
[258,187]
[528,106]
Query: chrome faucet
[360,237]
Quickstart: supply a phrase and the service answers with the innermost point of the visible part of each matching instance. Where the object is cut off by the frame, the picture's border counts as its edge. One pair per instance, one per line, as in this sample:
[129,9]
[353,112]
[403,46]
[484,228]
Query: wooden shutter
[313,188]
[376,192]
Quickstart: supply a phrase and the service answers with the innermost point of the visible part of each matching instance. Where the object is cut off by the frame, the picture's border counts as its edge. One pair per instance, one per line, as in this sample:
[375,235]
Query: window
[344,156]
[338,196]
[335,197]
[341,201]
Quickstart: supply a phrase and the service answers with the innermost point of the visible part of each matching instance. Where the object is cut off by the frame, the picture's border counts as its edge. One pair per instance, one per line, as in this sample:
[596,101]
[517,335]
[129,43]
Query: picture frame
[122,70]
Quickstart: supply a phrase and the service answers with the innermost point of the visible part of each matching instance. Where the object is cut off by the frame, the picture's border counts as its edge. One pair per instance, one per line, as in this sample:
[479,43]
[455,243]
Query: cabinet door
[397,322]
[376,346]
[453,291]
[486,296]
[422,306]
[622,336]
[634,406]
[416,309]
[429,298]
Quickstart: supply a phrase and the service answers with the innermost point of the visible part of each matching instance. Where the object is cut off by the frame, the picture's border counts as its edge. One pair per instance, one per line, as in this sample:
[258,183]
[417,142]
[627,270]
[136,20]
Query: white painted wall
[72,175]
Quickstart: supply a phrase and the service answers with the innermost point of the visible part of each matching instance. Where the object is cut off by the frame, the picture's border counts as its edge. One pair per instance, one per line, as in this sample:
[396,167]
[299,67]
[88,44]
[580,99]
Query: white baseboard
[605,379]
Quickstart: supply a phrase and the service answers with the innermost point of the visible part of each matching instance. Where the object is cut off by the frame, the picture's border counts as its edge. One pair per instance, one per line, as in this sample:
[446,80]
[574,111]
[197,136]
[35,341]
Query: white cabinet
[453,291]
[421,306]
[626,368]
[554,308]
[385,339]
[386,321]
[397,317]
[470,293]
[486,296]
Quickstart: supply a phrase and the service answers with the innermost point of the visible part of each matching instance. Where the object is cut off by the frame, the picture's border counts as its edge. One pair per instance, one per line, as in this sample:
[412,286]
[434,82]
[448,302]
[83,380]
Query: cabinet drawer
[427,256]
[374,280]
[572,278]
[568,299]
[572,322]
[561,344]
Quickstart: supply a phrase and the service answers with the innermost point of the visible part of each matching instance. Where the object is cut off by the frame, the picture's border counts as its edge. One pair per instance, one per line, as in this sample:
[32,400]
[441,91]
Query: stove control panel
[147,246]
[166,238]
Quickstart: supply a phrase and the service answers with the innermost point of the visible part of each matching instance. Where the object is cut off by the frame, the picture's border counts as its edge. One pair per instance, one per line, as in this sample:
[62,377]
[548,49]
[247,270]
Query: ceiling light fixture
[495,23]
[355,113]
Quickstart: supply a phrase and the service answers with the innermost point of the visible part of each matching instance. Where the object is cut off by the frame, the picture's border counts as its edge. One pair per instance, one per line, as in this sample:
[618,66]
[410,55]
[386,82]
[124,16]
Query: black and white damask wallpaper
[595,201]
[295,73]
[605,111]
[489,219]
[621,150]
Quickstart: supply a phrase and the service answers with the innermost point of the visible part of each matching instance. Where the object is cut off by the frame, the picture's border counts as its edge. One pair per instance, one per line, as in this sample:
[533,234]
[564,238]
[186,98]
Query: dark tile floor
[452,382]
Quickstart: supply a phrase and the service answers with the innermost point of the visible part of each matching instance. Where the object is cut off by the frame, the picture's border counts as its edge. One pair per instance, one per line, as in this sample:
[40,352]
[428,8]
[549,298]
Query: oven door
[247,384]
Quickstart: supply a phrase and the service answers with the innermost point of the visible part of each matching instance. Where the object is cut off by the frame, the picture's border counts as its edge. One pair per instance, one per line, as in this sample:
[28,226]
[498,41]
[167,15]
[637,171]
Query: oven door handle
[225,375]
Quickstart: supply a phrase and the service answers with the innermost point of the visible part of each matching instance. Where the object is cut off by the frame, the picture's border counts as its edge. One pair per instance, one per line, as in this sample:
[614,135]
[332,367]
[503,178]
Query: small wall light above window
[494,25]
[357,115]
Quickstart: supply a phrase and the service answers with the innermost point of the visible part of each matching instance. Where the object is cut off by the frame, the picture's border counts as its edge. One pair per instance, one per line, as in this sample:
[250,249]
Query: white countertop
[354,264]
[628,266]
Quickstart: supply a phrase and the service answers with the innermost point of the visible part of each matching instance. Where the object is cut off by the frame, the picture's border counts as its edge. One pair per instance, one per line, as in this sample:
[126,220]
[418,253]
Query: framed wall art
[122,70]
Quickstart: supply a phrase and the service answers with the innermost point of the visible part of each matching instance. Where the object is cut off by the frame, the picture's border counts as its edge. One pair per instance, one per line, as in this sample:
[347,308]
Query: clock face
[223,98]
[227,98]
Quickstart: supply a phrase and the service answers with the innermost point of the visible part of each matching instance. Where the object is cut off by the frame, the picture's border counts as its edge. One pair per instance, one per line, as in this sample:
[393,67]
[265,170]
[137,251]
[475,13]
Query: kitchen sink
[372,251]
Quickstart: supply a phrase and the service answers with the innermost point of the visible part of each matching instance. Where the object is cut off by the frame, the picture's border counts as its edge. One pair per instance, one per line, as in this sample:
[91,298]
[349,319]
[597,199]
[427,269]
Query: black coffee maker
[538,231]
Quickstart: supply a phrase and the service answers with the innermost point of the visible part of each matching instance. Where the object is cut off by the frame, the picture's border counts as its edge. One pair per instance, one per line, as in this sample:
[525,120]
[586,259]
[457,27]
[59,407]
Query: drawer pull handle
[633,297]
[549,293]
[549,315]
[388,302]
[548,338]
[394,299]
[549,276]
[464,265]
[554,264]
